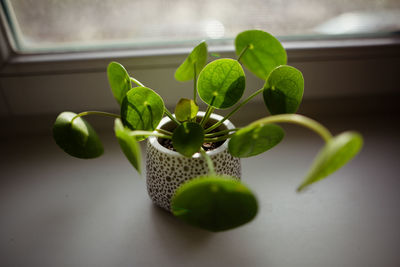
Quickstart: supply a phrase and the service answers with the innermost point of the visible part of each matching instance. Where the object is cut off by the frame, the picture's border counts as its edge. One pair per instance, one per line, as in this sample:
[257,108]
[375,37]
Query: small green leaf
[142,109]
[128,144]
[188,138]
[336,153]
[264,52]
[221,83]
[215,203]
[186,109]
[197,58]
[78,138]
[254,140]
[119,80]
[283,90]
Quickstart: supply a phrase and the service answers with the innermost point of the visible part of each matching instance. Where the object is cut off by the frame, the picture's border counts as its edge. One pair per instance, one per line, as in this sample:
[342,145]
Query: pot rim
[154,140]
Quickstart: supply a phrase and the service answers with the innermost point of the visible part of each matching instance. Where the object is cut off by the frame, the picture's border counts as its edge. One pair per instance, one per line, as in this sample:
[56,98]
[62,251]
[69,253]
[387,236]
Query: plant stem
[195,84]
[208,135]
[204,120]
[101,113]
[171,116]
[242,52]
[136,82]
[148,133]
[216,125]
[218,138]
[162,131]
[210,164]
[297,119]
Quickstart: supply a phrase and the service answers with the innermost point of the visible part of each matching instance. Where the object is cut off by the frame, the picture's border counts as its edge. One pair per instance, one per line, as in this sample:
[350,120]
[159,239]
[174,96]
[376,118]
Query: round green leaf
[188,138]
[196,59]
[215,203]
[142,109]
[186,109]
[336,153]
[221,83]
[128,145]
[119,80]
[263,54]
[254,140]
[283,90]
[78,138]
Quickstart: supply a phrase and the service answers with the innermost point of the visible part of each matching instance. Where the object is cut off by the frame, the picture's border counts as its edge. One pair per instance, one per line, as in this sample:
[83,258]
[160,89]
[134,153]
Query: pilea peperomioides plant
[214,202]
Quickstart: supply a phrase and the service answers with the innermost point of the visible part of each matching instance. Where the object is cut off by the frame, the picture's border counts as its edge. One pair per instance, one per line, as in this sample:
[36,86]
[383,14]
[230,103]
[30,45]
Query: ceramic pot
[166,170]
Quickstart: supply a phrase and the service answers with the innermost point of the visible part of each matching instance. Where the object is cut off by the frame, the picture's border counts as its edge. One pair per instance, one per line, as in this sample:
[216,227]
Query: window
[53,53]
[71,24]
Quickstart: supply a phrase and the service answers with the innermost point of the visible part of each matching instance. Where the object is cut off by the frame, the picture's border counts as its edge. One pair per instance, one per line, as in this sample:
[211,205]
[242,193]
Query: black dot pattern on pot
[166,172]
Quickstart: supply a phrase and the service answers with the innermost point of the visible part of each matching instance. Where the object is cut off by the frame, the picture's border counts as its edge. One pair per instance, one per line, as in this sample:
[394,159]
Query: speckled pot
[166,170]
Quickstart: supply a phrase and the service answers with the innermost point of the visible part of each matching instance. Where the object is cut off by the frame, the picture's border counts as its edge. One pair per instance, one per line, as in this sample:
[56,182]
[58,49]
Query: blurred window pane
[82,24]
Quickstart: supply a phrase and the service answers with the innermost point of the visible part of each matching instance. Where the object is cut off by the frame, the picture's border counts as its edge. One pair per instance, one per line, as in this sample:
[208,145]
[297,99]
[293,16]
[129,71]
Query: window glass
[79,24]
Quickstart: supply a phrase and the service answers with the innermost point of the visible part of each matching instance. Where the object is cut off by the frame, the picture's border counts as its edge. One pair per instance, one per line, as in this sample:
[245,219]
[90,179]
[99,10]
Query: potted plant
[198,186]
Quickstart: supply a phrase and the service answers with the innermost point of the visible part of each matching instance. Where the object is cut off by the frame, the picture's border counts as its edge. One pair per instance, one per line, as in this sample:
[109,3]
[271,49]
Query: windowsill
[46,84]
[298,51]
[58,210]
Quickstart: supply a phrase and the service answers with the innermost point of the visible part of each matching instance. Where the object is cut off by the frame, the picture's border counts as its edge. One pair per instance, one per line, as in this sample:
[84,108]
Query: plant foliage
[212,202]
[215,203]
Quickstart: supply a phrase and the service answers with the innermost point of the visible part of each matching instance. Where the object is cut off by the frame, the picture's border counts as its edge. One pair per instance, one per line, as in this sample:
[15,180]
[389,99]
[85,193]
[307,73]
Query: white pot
[166,170]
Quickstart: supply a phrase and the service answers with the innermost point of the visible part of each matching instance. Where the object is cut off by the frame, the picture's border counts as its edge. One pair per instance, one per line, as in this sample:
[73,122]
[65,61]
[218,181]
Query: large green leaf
[186,109]
[188,138]
[263,54]
[215,203]
[283,90]
[254,140]
[119,80]
[336,153]
[77,137]
[196,59]
[221,83]
[142,109]
[128,144]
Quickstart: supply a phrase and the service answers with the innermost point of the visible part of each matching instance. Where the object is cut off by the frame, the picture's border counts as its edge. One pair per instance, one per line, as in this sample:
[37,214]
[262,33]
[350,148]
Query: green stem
[148,133]
[208,135]
[162,131]
[297,119]
[101,113]
[242,52]
[195,84]
[217,139]
[204,120]
[171,116]
[210,164]
[216,125]
[136,82]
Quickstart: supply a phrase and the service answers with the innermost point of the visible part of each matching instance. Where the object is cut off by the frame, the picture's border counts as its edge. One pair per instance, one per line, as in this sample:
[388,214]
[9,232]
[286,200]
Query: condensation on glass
[44,24]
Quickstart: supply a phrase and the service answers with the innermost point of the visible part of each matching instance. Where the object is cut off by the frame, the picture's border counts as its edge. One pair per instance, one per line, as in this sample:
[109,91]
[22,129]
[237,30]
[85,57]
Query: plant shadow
[197,247]
[168,228]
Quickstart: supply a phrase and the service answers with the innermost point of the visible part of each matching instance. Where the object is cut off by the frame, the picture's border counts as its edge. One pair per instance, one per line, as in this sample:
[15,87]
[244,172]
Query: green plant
[220,84]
